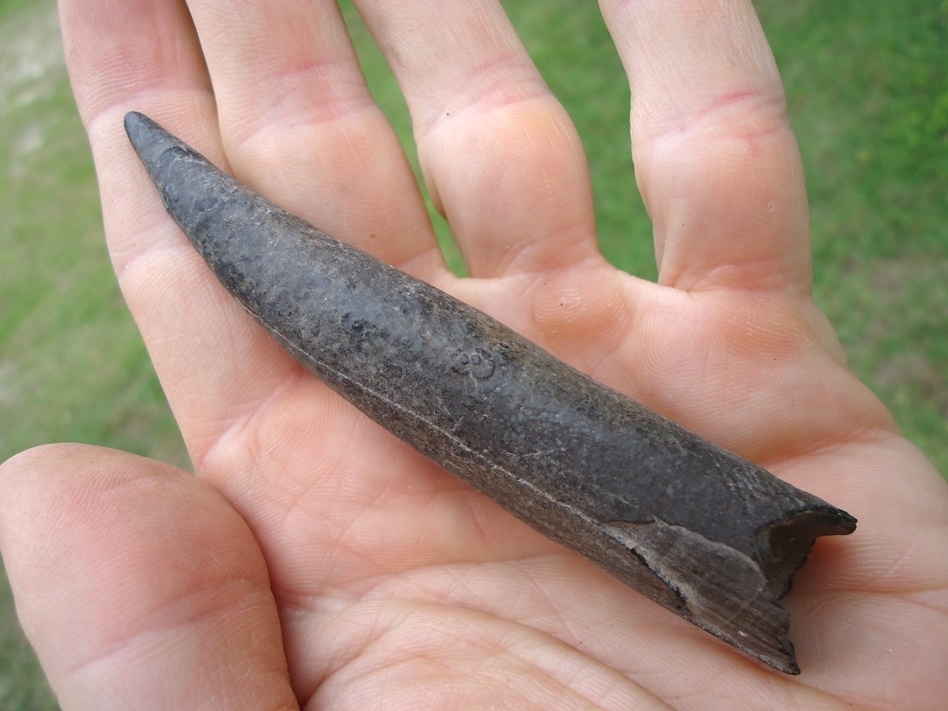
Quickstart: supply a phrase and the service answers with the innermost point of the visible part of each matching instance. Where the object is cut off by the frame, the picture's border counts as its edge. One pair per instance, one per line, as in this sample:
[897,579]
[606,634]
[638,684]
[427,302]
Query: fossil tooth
[701,531]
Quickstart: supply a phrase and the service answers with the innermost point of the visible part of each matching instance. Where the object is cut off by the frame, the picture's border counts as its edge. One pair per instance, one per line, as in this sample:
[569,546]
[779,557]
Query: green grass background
[868,100]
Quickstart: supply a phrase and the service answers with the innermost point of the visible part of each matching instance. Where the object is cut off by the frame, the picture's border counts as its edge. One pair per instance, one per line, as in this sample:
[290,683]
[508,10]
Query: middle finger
[299,125]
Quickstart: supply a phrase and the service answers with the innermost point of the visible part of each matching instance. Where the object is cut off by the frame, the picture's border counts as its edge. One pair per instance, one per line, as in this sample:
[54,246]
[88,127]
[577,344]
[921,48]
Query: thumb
[138,585]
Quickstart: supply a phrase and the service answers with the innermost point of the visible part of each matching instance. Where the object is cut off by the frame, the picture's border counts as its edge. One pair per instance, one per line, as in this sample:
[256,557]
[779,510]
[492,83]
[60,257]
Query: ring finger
[499,154]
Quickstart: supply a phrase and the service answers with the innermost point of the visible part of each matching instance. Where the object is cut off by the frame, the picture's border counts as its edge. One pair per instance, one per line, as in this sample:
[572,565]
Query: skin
[316,562]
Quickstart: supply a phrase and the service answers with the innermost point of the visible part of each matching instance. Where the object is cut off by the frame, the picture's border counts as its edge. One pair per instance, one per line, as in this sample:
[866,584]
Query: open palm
[316,560]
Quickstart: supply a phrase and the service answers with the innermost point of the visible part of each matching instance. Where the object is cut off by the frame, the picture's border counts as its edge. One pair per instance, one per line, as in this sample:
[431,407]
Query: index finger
[125,54]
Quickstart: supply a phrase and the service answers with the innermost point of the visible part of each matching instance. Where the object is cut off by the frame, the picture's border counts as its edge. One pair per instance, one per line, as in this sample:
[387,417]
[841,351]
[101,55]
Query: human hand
[318,561]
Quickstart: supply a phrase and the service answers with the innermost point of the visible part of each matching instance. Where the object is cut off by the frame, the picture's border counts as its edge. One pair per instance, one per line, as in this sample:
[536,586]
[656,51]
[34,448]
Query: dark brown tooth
[711,536]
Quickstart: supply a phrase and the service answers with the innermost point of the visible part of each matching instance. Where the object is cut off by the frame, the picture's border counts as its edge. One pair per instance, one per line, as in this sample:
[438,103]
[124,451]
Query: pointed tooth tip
[134,123]
[136,127]
[148,137]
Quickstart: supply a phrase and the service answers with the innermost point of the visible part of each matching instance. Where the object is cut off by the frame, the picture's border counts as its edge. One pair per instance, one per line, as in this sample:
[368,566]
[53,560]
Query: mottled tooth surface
[710,536]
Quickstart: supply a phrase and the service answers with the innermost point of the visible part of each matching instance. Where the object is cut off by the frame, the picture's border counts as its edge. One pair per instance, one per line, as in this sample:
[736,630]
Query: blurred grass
[869,102]
[867,97]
